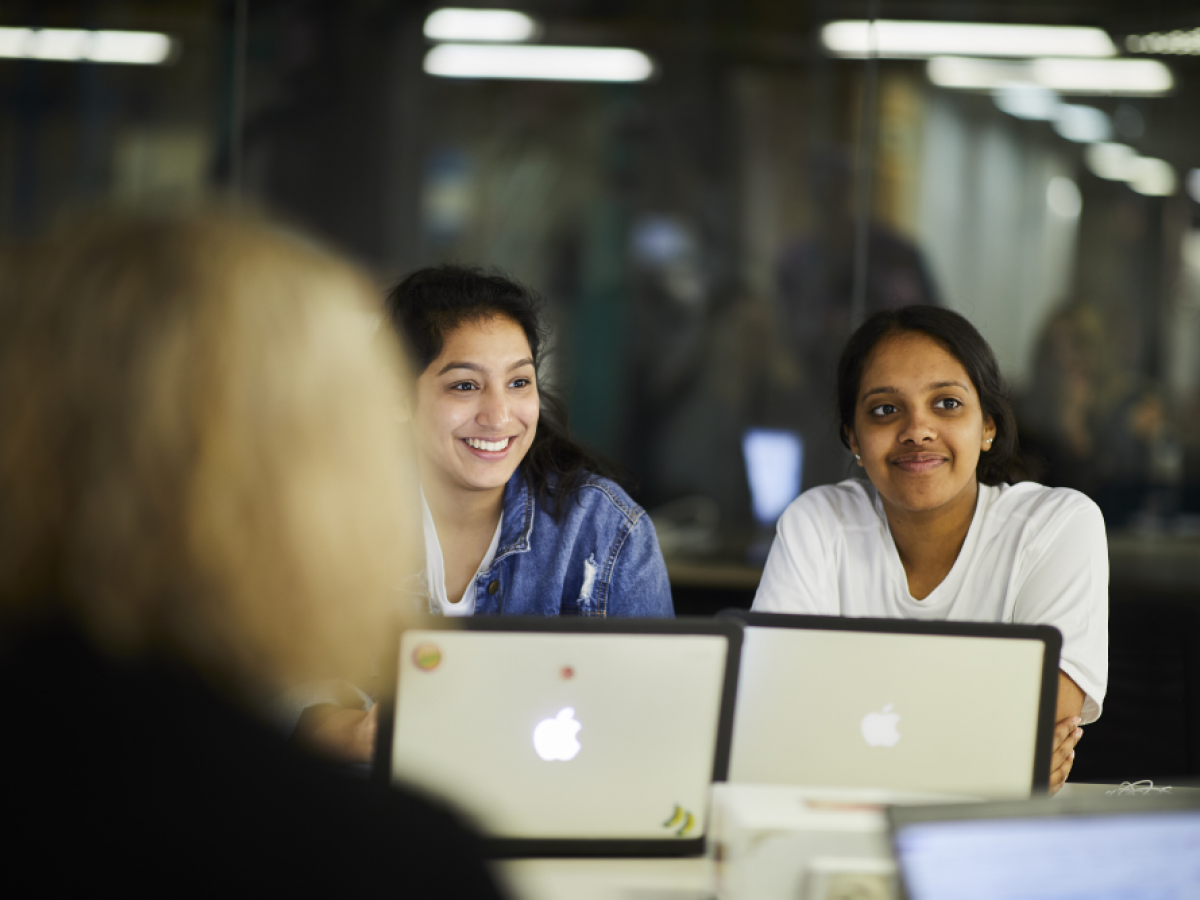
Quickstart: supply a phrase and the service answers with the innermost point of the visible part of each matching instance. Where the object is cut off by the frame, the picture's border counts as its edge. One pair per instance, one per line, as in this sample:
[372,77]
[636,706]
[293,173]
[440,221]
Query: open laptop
[1098,848]
[954,707]
[567,736]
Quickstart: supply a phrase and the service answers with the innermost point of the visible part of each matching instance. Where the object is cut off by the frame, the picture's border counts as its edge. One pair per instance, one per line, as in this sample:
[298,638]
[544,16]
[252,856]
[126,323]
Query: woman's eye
[463,386]
[948,403]
[883,409]
[522,383]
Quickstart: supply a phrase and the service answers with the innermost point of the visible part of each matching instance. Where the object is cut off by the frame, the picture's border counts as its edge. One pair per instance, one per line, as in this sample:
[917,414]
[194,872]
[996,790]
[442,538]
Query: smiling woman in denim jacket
[518,520]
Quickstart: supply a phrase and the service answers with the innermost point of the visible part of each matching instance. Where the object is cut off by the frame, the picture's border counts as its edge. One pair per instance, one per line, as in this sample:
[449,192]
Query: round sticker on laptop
[427,657]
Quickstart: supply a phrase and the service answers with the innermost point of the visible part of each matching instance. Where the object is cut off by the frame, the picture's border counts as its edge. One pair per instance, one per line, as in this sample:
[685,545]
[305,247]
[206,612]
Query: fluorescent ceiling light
[1111,161]
[1082,124]
[75,45]
[1175,42]
[1104,76]
[921,40]
[1114,77]
[1119,162]
[536,61]
[1152,177]
[505,25]
[1026,101]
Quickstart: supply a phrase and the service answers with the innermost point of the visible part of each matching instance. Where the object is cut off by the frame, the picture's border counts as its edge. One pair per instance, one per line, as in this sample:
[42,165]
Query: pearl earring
[990,440]
[859,458]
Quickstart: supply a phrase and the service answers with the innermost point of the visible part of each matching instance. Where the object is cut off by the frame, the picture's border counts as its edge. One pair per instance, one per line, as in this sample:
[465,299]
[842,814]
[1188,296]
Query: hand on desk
[347,735]
[1066,735]
[1066,732]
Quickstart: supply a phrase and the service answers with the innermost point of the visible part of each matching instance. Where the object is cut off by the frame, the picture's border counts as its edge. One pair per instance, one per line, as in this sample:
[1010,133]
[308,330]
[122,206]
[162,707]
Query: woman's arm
[639,585]
[1064,583]
[345,735]
[332,718]
[1066,731]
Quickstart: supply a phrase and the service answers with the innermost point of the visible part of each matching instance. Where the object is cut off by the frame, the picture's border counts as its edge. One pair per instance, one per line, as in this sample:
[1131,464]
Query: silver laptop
[1092,848]
[568,736]
[954,707]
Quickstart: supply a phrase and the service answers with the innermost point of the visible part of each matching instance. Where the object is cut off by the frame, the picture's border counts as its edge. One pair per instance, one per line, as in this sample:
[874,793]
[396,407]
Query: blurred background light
[1193,184]
[1026,101]
[1115,77]
[1184,43]
[76,45]
[1082,124]
[1062,196]
[976,74]
[1111,161]
[1152,177]
[925,39]
[1119,162]
[538,62]
[456,24]
[1104,76]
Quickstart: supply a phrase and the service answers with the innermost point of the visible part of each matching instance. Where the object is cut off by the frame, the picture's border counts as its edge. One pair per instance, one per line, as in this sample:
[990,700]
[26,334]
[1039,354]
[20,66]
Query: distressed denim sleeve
[639,585]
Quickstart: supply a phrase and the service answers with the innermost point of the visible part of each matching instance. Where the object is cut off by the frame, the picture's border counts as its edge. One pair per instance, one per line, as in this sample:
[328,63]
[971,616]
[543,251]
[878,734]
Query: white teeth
[488,445]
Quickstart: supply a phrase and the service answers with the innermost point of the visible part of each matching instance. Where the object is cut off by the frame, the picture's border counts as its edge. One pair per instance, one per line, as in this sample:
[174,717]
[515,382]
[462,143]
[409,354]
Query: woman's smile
[919,463]
[489,449]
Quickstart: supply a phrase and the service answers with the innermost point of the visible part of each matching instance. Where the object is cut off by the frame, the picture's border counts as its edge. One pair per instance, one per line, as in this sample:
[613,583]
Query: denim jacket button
[493,587]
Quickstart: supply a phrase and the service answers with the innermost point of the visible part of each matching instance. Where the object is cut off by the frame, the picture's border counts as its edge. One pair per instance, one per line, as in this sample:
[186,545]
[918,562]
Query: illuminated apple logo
[555,738]
[879,728]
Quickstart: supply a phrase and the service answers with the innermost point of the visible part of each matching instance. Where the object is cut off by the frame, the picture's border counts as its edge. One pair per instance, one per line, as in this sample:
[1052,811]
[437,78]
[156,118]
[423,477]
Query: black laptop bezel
[501,848]
[1048,635]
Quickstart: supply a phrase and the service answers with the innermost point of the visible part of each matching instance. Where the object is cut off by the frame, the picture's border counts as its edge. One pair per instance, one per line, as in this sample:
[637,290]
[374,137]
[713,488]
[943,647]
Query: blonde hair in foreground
[199,452]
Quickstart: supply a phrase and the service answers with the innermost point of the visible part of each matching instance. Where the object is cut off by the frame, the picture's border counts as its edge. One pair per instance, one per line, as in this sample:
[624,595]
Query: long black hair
[428,304]
[1004,461]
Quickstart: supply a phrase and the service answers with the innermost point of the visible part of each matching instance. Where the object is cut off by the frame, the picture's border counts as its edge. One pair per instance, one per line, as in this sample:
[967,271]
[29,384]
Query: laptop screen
[569,734]
[1114,855]
[955,708]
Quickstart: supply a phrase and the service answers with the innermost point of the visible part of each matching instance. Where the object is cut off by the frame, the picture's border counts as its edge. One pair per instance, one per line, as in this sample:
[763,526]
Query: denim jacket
[600,559]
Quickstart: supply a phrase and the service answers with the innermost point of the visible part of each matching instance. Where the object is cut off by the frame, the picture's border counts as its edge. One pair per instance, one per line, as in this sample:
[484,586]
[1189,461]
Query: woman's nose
[494,411]
[919,426]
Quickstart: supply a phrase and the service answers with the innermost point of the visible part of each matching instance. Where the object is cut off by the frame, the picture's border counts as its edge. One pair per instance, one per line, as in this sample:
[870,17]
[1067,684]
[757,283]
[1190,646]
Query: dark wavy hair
[1004,462]
[428,304]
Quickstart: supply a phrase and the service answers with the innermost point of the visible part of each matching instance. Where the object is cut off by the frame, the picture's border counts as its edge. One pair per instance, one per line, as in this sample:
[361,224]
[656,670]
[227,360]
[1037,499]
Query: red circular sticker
[427,657]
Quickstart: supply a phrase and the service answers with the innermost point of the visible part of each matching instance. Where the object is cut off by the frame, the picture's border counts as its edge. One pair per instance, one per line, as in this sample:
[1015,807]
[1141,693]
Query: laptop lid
[1098,848]
[955,707]
[567,736]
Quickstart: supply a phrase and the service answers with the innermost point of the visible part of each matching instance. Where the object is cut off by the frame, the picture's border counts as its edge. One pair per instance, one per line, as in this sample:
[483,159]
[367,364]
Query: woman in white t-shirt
[944,527]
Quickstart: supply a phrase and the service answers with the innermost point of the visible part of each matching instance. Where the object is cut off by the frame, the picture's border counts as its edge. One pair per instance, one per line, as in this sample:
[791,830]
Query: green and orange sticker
[427,657]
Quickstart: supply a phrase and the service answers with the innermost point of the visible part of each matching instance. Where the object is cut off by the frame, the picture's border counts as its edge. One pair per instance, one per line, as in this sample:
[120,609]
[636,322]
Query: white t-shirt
[435,567]
[1033,555]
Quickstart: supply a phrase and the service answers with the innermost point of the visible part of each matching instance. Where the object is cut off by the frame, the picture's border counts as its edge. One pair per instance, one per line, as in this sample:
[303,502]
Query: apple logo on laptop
[879,728]
[554,739]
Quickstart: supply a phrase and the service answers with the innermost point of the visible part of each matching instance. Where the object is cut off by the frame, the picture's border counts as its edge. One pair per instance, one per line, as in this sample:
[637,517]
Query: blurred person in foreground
[203,500]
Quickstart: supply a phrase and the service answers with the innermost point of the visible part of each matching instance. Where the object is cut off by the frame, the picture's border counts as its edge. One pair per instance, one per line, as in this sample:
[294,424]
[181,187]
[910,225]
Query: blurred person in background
[946,526]
[518,519]
[203,500]
[815,282]
[1096,422]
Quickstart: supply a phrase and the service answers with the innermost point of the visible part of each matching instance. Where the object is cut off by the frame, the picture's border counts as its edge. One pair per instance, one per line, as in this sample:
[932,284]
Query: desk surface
[660,879]
[608,879]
